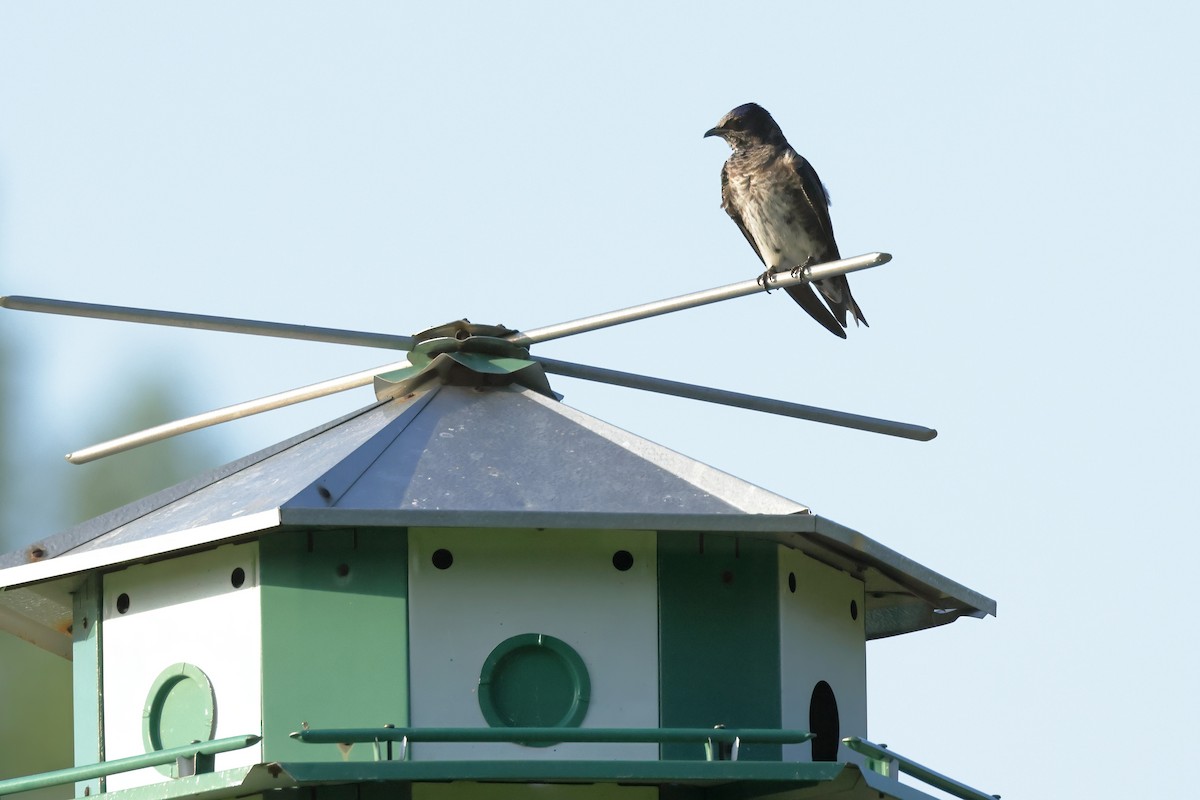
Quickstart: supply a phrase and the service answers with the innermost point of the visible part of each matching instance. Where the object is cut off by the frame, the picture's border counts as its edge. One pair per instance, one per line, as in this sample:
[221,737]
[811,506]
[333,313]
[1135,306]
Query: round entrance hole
[181,708]
[534,680]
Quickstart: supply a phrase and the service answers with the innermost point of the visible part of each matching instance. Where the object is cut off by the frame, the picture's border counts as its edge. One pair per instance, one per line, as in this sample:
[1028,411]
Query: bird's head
[747,125]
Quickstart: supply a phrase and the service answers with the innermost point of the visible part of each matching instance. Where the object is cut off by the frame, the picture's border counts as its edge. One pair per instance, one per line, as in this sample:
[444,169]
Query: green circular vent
[181,708]
[532,681]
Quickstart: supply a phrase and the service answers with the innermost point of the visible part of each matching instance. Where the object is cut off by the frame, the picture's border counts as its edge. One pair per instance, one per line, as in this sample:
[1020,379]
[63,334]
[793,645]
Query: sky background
[388,167]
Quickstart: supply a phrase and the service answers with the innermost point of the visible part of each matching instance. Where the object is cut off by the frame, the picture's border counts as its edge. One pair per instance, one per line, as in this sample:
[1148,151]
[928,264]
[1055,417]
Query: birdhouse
[466,584]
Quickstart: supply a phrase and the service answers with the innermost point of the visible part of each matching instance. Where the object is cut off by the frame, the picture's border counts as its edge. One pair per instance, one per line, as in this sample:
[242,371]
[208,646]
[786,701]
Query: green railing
[708,737]
[885,759]
[105,768]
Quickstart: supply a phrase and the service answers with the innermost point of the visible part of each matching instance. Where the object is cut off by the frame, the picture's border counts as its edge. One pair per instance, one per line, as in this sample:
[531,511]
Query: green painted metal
[73,774]
[796,774]
[244,782]
[400,780]
[553,735]
[719,637]
[918,771]
[335,633]
[181,707]
[87,677]
[476,361]
[464,790]
[534,680]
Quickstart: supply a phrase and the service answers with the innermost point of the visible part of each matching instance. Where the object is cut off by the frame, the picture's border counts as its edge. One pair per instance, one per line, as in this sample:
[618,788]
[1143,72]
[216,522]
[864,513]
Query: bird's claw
[764,280]
[808,262]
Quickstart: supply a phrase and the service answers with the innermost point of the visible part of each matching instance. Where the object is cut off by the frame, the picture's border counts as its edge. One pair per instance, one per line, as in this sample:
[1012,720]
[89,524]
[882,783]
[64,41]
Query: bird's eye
[735,124]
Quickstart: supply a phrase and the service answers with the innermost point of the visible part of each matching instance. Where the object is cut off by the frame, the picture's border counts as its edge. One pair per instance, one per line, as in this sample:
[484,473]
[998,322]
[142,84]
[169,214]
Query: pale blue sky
[386,167]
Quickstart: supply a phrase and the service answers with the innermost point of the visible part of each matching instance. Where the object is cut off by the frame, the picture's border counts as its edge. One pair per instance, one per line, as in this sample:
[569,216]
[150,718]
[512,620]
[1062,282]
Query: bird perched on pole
[782,208]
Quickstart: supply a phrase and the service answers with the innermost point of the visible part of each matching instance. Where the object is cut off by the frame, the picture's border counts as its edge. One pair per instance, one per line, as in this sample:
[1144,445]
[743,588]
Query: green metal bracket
[553,735]
[465,354]
[104,768]
[885,758]
[87,679]
[463,368]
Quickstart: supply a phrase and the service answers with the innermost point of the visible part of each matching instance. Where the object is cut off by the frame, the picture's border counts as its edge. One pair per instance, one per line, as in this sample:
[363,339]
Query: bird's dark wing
[735,213]
[803,293]
[817,199]
[835,290]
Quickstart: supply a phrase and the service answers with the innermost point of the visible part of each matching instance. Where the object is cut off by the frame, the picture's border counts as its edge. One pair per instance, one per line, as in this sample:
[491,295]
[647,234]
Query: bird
[782,208]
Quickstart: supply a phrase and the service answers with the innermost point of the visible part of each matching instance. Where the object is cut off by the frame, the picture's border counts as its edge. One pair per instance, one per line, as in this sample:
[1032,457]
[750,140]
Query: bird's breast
[780,225]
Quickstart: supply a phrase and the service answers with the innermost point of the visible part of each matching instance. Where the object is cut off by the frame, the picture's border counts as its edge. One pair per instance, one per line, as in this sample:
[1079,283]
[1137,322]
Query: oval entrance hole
[823,722]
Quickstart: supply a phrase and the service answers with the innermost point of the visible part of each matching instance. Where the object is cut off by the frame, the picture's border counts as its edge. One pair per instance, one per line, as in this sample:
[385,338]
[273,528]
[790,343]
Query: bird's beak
[717,131]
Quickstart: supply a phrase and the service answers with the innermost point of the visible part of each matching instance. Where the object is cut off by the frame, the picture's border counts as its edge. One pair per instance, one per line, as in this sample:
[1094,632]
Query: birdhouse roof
[462,456]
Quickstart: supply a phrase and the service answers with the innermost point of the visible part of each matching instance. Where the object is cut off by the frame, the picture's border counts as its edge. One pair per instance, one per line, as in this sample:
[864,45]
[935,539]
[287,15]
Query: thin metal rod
[399,342]
[151,759]
[936,779]
[827,416]
[550,735]
[391,341]
[228,413]
[178,319]
[741,289]
[553,366]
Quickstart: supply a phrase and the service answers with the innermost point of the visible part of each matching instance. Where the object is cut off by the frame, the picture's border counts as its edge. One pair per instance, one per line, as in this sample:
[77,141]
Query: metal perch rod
[533,336]
[398,342]
[784,408]
[568,369]
[229,413]
[178,319]
[740,289]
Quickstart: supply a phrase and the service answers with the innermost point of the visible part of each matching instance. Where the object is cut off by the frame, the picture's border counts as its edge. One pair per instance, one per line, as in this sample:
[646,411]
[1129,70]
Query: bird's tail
[836,292]
[852,306]
[807,298]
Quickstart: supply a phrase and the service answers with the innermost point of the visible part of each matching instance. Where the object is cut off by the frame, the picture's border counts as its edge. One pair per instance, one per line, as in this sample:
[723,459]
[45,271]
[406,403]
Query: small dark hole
[325,493]
[853,609]
[792,582]
[727,577]
[36,554]
[122,603]
[237,577]
[343,570]
[623,560]
[442,558]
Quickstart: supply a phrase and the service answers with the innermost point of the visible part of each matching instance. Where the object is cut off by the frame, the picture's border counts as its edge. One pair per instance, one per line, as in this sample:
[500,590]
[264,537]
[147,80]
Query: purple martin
[782,208]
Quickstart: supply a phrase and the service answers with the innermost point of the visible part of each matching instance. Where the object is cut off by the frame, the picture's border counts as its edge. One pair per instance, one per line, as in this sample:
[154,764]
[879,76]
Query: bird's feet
[764,280]
[808,262]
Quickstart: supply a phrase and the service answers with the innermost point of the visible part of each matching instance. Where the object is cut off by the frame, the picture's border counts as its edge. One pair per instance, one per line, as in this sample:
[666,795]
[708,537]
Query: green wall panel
[35,715]
[719,637]
[335,636]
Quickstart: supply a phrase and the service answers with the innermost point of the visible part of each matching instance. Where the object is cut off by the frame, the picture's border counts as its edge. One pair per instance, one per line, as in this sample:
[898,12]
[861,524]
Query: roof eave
[902,595]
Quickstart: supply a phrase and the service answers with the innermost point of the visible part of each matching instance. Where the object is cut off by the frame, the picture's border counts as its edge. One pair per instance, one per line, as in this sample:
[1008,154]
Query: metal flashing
[88,531]
[470,457]
[528,451]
